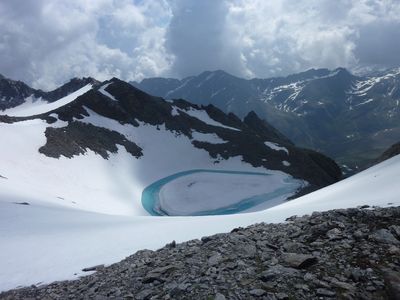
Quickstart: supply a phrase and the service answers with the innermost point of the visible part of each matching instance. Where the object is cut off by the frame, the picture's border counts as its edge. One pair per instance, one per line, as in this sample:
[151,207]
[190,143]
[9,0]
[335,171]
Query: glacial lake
[151,194]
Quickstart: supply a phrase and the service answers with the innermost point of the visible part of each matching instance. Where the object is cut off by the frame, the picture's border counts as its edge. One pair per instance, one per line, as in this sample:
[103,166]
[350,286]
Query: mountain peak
[115,79]
[82,81]
[251,116]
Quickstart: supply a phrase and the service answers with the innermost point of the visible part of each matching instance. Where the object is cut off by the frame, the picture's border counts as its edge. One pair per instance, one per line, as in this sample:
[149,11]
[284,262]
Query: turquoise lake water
[150,195]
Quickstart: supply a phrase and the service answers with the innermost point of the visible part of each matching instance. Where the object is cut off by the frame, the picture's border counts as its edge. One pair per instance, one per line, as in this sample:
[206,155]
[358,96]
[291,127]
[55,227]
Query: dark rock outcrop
[76,137]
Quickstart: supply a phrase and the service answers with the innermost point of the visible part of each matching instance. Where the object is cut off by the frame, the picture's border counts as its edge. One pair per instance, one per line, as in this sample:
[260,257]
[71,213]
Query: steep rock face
[351,118]
[340,254]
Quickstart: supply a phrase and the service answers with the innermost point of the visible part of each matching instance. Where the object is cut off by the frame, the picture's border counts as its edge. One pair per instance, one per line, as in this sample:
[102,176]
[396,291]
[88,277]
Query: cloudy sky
[46,42]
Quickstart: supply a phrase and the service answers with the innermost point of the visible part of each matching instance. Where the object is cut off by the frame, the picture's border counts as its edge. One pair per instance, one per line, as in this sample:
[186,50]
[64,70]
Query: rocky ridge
[14,93]
[339,254]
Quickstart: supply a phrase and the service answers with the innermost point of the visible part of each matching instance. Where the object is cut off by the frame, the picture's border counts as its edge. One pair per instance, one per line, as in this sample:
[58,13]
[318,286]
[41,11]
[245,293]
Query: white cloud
[46,42]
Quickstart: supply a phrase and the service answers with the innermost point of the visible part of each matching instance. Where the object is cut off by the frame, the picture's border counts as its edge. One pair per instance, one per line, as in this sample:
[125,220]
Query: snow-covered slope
[42,243]
[72,177]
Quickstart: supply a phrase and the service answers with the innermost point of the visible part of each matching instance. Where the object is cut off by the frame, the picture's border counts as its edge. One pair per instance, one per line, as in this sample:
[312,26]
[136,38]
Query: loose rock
[344,254]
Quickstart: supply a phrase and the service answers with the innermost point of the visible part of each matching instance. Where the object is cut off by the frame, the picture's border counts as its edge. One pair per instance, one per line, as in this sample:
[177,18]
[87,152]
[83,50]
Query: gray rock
[292,246]
[394,250]
[395,229]
[282,296]
[278,271]
[94,268]
[171,245]
[325,292]
[358,234]
[219,296]
[298,261]
[158,273]
[334,234]
[357,275]
[143,295]
[308,277]
[342,285]
[384,236]
[215,259]
[246,250]
[257,292]
[392,281]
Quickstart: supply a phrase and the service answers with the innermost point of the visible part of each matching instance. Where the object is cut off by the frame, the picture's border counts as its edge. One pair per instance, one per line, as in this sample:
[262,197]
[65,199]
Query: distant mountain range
[350,118]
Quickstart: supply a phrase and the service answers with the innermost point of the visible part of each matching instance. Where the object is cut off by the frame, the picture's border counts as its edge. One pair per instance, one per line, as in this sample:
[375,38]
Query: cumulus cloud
[46,42]
[198,36]
[268,38]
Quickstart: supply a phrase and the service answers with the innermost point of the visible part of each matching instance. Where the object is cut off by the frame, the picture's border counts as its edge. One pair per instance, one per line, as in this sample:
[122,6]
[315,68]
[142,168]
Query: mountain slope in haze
[351,118]
[111,128]
[389,153]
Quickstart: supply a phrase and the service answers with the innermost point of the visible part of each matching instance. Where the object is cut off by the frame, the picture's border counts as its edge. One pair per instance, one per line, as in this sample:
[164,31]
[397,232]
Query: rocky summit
[339,254]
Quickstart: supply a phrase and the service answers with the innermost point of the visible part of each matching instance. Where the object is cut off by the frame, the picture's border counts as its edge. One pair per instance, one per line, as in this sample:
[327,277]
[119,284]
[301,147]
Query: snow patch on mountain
[175,111]
[276,147]
[102,90]
[185,82]
[32,106]
[207,137]
[365,102]
[217,92]
[203,116]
